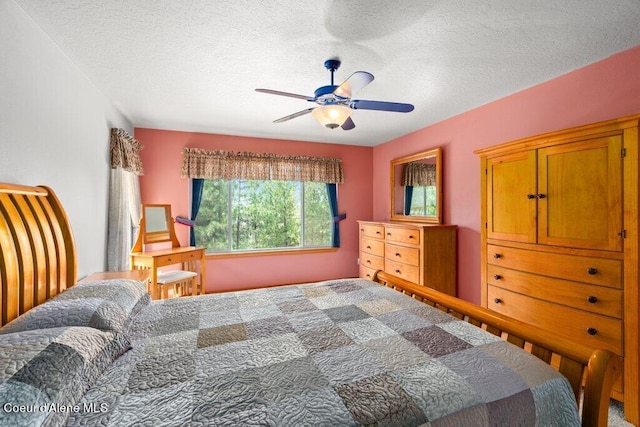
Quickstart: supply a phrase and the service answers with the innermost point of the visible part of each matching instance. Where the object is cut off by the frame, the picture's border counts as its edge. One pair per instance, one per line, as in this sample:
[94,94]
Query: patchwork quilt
[340,352]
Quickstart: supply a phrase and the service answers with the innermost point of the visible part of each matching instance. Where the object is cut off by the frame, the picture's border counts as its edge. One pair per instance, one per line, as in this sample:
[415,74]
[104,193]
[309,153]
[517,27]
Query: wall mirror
[416,187]
[157,223]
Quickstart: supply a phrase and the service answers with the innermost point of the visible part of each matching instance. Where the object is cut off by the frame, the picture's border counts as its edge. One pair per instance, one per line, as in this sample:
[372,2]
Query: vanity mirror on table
[414,245]
[156,228]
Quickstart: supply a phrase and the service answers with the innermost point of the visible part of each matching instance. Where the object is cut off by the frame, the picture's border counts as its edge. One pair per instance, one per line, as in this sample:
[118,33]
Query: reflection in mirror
[156,219]
[419,182]
[157,223]
[416,187]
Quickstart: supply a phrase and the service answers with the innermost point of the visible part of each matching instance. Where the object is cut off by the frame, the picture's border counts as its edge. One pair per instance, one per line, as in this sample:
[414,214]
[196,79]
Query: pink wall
[161,183]
[601,91]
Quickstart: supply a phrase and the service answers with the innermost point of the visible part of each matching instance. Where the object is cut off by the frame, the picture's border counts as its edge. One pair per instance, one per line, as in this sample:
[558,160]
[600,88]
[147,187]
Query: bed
[338,352]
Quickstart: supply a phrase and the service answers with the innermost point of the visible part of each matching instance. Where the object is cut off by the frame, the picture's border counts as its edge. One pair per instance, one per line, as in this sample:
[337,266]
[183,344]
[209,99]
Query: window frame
[229,252]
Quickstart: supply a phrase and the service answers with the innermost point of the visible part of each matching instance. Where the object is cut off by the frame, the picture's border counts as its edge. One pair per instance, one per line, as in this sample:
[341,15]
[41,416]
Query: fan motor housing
[324,95]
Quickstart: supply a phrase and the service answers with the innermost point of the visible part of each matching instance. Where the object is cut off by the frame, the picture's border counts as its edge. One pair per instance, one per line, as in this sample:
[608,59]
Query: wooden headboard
[37,250]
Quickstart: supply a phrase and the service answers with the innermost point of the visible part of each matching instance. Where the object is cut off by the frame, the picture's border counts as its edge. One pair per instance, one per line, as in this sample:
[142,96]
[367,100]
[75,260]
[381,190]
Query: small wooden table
[152,260]
[141,275]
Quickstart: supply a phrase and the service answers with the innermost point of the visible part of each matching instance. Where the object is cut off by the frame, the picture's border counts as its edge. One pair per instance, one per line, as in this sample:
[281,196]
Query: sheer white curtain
[124,199]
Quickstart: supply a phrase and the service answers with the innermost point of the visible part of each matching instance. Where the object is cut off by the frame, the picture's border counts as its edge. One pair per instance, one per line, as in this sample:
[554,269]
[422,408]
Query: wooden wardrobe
[559,235]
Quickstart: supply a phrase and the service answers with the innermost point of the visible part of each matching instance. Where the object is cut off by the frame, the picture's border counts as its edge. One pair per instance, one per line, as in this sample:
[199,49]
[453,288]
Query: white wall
[54,130]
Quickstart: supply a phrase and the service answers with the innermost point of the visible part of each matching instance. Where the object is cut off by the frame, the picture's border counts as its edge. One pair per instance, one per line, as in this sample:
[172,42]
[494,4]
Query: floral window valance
[125,152]
[218,164]
[417,174]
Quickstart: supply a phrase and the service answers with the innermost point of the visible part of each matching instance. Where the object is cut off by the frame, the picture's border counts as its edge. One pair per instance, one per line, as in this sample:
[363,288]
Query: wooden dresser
[421,253]
[559,237]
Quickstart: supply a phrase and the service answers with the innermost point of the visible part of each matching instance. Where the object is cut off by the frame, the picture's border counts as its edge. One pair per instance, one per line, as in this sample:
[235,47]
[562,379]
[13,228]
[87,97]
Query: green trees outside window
[243,215]
[423,201]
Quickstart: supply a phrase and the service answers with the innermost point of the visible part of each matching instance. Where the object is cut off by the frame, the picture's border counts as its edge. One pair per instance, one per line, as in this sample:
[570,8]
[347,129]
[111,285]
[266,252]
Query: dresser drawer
[372,246]
[372,230]
[366,273]
[594,330]
[597,271]
[592,298]
[372,261]
[190,256]
[404,254]
[168,259]
[403,235]
[407,272]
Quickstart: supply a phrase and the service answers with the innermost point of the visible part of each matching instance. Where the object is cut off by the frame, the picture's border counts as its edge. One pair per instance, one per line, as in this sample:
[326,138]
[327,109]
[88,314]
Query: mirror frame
[437,219]
[157,236]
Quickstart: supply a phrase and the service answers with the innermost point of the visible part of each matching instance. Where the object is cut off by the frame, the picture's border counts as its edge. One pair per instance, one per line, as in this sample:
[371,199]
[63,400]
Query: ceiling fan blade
[291,95]
[294,115]
[354,83]
[398,107]
[348,124]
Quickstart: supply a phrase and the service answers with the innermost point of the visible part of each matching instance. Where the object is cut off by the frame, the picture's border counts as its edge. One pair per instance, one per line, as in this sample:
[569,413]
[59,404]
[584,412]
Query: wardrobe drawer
[404,254]
[594,330]
[597,271]
[371,261]
[407,272]
[366,273]
[403,235]
[372,246]
[592,298]
[372,230]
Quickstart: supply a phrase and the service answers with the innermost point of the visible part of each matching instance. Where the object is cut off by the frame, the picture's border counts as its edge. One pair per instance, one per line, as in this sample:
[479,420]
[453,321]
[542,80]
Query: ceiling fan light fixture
[332,116]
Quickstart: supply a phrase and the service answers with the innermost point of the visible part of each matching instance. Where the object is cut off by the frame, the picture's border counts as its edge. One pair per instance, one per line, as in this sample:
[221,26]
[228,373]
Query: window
[244,215]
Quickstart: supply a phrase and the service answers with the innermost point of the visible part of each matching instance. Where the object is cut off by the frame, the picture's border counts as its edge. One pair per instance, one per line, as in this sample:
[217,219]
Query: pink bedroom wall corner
[604,90]
[162,159]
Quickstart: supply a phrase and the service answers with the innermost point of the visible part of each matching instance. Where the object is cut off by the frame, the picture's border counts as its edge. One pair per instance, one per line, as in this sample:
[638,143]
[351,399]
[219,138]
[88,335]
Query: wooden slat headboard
[37,250]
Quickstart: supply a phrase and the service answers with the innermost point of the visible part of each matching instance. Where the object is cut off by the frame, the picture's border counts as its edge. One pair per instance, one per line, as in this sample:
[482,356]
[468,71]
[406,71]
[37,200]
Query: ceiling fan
[335,103]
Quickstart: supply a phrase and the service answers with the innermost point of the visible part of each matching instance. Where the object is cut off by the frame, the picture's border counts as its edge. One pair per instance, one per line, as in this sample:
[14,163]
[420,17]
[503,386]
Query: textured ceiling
[193,65]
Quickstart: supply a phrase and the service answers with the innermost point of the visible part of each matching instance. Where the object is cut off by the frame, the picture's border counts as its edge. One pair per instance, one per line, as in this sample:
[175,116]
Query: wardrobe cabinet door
[511,197]
[580,194]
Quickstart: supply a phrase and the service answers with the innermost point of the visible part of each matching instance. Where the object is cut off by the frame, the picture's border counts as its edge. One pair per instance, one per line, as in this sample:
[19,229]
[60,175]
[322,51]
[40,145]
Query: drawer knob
[497,301]
[497,276]
[368,261]
[592,271]
[398,254]
[592,299]
[377,232]
[542,196]
[497,256]
[368,247]
[531,196]
[592,331]
[411,237]
[398,271]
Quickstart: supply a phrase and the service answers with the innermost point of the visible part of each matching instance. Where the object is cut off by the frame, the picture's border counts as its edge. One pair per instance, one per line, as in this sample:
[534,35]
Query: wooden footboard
[596,370]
